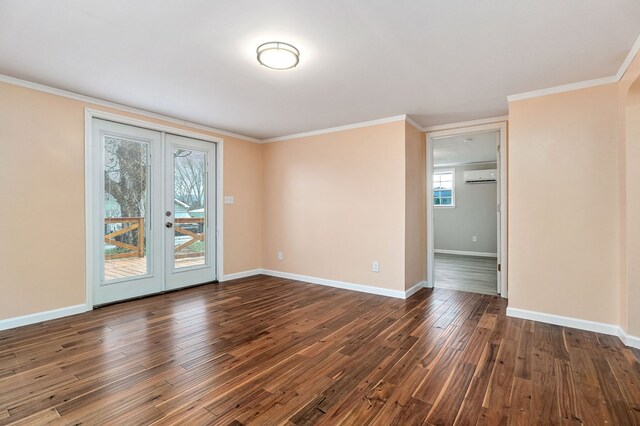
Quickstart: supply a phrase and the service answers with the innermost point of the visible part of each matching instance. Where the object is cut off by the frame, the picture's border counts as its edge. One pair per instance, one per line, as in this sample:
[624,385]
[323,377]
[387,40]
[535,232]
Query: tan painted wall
[333,203]
[563,206]
[629,125]
[632,136]
[415,211]
[42,241]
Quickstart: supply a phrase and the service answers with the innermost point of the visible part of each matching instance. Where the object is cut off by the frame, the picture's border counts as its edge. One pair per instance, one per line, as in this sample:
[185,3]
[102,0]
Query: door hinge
[499,267]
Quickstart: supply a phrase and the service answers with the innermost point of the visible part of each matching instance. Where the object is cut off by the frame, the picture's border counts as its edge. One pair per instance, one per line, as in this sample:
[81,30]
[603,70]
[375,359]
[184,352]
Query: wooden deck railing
[194,237]
[134,223]
[138,250]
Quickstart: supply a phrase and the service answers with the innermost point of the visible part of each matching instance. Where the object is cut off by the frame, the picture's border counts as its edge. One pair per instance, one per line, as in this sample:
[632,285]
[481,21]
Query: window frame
[452,172]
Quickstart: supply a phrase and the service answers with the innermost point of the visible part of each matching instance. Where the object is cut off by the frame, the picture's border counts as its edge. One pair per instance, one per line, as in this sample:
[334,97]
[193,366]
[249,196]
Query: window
[444,191]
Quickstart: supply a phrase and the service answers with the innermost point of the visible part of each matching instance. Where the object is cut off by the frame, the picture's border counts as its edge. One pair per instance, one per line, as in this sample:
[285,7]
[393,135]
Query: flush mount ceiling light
[278,55]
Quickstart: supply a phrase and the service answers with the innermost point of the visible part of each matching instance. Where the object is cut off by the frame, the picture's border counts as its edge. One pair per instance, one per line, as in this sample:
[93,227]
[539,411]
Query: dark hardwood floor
[271,351]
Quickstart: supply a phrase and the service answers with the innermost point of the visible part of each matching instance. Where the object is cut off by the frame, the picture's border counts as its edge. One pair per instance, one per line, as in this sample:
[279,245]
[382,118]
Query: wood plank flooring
[270,351]
[466,273]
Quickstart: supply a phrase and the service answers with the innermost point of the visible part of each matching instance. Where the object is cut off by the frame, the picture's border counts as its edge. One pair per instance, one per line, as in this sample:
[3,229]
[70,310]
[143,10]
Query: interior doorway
[153,211]
[466,219]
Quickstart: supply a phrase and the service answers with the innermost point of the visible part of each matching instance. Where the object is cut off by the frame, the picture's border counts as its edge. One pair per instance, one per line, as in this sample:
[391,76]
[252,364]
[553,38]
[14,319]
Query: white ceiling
[438,61]
[465,149]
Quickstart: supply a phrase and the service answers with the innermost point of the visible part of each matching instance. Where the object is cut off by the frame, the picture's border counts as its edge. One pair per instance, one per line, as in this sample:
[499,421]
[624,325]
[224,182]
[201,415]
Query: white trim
[413,123]
[8,323]
[501,127]
[581,324]
[598,327]
[338,128]
[88,208]
[503,208]
[582,84]
[629,340]
[398,294]
[563,88]
[490,120]
[627,61]
[238,275]
[108,104]
[466,253]
[219,210]
[123,119]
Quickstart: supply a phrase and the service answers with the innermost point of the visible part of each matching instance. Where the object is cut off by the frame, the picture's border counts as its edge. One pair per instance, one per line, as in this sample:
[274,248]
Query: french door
[190,183]
[154,212]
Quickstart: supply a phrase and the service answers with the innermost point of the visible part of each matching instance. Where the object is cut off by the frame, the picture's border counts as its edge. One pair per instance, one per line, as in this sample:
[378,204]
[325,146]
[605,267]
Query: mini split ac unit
[481,176]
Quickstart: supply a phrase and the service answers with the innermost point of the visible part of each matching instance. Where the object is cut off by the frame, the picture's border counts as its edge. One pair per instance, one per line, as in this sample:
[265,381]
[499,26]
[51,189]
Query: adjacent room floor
[271,351]
[466,273]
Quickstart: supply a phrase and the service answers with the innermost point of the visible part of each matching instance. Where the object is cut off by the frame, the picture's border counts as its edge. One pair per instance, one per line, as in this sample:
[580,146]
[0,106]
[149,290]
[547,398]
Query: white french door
[189,224]
[153,212]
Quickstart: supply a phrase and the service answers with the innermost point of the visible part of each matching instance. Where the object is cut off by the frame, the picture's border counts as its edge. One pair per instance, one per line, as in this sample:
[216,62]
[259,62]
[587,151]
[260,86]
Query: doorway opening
[466,218]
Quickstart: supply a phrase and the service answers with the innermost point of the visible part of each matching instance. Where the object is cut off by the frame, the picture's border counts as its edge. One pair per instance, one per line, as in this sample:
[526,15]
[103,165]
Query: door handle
[169,225]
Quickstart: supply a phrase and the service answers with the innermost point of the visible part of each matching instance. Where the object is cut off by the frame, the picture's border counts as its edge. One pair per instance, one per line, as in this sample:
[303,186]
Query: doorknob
[169,225]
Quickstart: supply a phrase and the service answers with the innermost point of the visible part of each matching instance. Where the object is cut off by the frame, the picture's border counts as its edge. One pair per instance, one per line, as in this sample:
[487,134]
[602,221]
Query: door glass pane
[126,186]
[189,206]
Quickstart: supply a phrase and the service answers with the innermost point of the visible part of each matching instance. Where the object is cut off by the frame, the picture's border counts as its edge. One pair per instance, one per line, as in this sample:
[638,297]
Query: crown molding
[470,123]
[101,102]
[337,129]
[413,123]
[630,57]
[564,88]
[582,84]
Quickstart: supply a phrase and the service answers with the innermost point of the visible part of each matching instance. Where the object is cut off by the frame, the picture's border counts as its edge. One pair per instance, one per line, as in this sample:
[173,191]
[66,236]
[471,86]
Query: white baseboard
[629,340]
[597,327]
[398,294]
[243,274]
[466,253]
[8,323]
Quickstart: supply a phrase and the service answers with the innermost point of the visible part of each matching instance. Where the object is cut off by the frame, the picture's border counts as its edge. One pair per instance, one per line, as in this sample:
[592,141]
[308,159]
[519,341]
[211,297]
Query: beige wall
[333,203]
[629,125]
[563,204]
[415,213]
[632,136]
[42,245]
[579,139]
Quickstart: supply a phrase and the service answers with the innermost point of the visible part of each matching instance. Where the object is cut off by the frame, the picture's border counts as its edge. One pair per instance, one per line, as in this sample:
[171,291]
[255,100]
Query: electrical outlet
[474,239]
[280,255]
[375,266]
[228,199]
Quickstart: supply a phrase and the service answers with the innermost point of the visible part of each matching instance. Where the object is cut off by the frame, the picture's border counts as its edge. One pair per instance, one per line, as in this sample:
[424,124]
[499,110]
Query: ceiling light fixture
[278,55]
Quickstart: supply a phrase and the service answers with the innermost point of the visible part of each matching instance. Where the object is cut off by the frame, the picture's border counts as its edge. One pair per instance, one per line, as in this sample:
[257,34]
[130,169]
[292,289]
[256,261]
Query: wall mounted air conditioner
[480,176]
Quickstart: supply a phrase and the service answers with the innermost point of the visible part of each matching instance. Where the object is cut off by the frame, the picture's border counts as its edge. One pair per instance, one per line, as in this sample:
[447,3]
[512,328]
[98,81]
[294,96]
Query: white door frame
[501,127]
[89,176]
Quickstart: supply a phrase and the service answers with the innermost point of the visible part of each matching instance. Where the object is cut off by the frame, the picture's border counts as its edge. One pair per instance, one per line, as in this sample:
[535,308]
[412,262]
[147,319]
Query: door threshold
[102,305]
